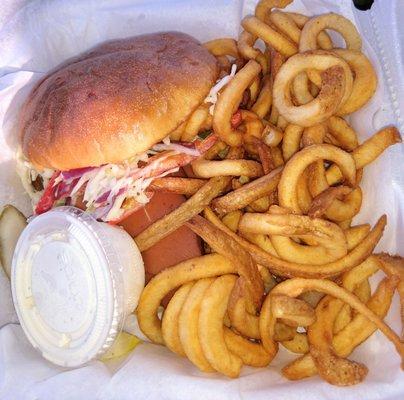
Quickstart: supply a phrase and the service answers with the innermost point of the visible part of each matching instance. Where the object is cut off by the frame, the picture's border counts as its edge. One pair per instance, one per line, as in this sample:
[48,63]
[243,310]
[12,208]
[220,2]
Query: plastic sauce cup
[74,280]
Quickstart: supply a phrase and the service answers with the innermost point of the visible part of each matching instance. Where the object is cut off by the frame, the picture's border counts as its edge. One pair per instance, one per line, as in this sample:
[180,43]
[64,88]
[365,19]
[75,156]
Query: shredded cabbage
[220,84]
[105,188]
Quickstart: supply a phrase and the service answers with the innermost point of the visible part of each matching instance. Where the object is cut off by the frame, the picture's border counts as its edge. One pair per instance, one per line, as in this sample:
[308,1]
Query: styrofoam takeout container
[45,33]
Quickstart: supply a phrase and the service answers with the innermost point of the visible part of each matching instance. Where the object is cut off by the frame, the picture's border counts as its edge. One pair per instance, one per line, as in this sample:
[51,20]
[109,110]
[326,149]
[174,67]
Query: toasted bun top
[115,101]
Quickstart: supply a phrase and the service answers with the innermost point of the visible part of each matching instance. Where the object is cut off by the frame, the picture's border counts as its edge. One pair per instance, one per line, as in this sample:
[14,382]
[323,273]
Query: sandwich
[95,134]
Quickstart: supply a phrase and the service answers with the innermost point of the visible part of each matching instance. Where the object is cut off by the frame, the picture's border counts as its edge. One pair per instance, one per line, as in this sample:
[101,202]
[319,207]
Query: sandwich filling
[110,192]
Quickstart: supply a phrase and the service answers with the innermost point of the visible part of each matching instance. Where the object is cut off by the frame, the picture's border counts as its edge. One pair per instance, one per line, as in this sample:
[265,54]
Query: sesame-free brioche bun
[115,101]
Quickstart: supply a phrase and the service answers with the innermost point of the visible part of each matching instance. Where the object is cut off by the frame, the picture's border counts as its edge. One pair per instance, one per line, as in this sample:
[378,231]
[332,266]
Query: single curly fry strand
[211,329]
[308,38]
[228,103]
[188,323]
[169,324]
[222,47]
[269,35]
[264,7]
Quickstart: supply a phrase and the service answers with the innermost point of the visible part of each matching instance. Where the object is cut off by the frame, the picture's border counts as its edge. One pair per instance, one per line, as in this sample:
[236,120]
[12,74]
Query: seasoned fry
[393,266]
[250,353]
[211,335]
[207,266]
[232,220]
[247,50]
[335,370]
[293,312]
[323,201]
[298,344]
[365,82]
[193,206]
[208,169]
[291,140]
[188,324]
[222,47]
[195,123]
[224,244]
[169,323]
[347,138]
[229,101]
[356,332]
[272,135]
[246,194]
[289,269]
[367,152]
[301,160]
[308,38]
[330,239]
[186,186]
[278,192]
[264,100]
[294,287]
[336,87]
[264,7]
[269,35]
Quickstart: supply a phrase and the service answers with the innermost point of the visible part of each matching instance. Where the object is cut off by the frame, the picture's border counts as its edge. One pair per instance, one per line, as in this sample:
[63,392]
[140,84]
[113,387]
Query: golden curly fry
[222,47]
[211,329]
[188,324]
[171,278]
[169,324]
[229,101]
[336,87]
[308,38]
[269,35]
[301,160]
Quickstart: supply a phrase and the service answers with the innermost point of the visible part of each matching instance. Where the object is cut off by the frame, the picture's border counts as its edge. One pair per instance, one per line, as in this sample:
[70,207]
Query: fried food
[269,35]
[186,186]
[169,324]
[193,206]
[301,160]
[291,140]
[298,344]
[330,239]
[264,7]
[367,152]
[229,101]
[264,101]
[286,265]
[207,266]
[211,329]
[344,134]
[224,244]
[293,312]
[311,29]
[188,323]
[222,47]
[365,81]
[248,193]
[208,169]
[336,87]
[251,353]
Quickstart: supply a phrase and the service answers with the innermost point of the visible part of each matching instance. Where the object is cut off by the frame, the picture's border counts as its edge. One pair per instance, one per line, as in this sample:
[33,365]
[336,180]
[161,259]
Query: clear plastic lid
[67,286]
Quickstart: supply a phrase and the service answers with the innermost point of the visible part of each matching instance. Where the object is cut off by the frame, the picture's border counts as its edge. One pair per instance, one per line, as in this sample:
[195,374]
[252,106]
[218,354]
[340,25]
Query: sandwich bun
[115,101]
